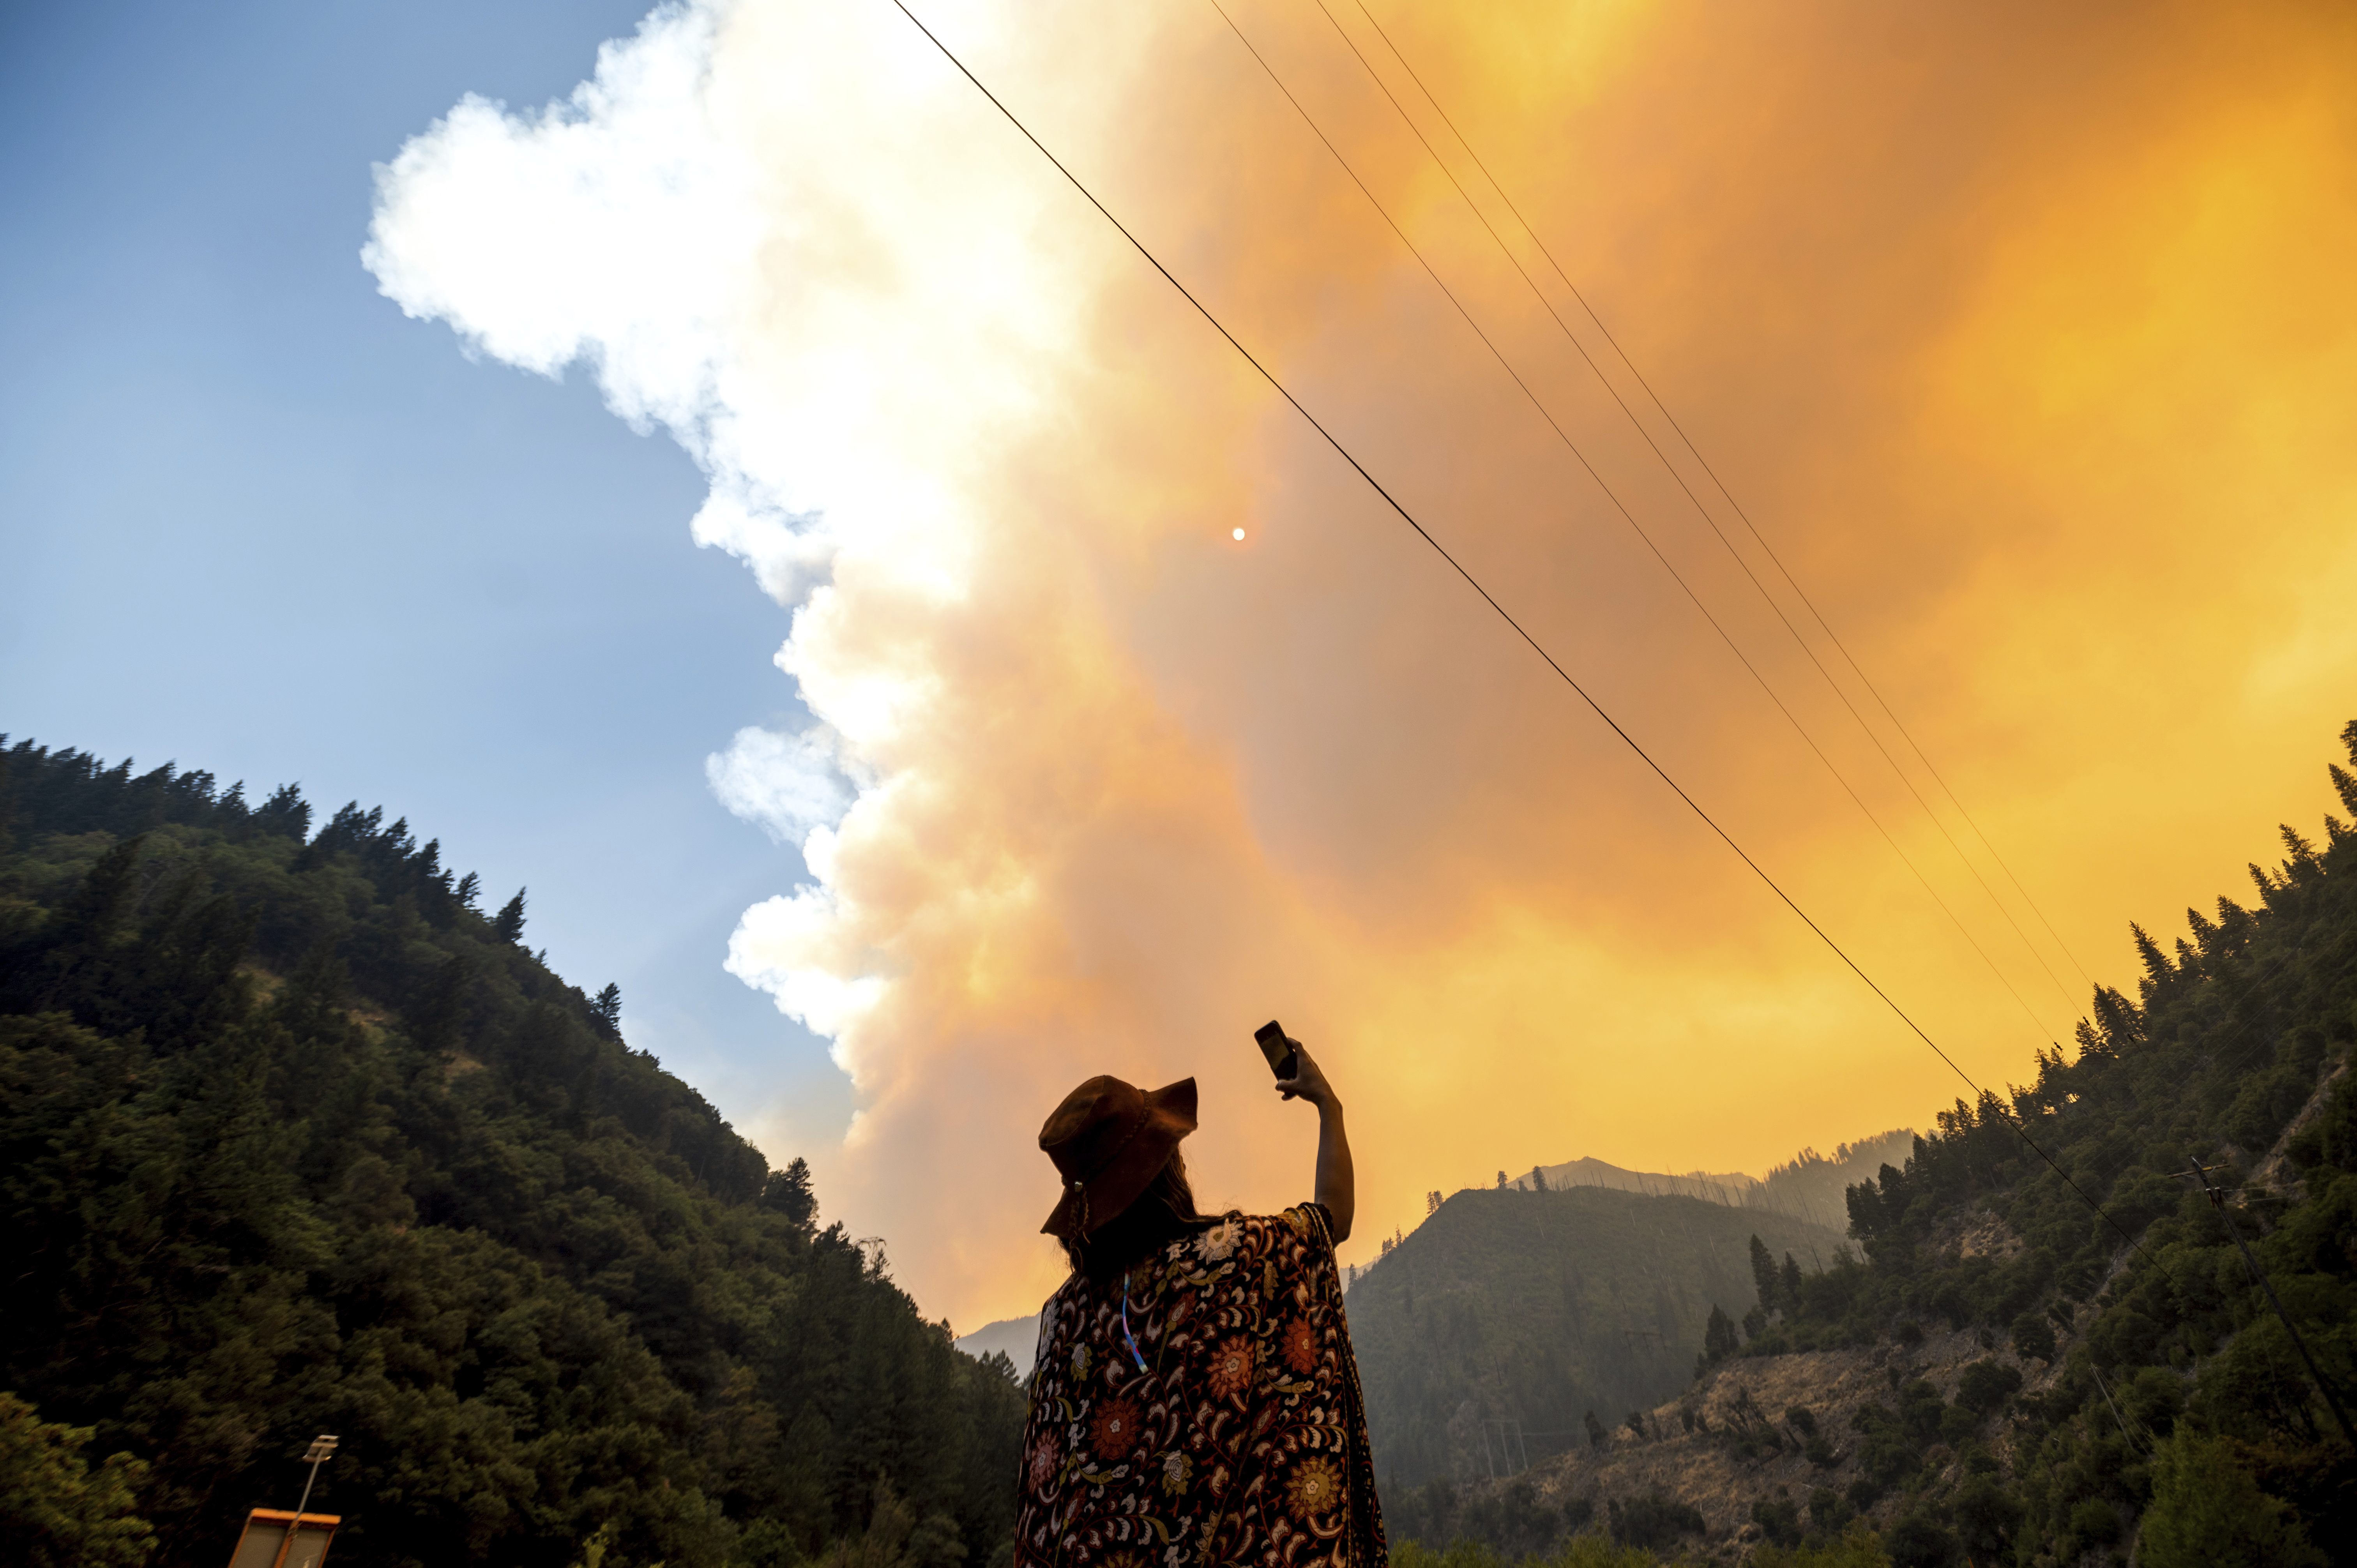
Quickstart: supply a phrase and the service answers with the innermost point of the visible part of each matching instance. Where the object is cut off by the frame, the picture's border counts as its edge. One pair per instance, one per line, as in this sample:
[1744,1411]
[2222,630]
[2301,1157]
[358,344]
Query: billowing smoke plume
[2022,334]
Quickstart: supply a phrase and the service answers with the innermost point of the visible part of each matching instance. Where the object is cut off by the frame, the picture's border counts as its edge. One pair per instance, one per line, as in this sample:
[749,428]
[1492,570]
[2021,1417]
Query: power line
[1594,706]
[1629,516]
[1715,480]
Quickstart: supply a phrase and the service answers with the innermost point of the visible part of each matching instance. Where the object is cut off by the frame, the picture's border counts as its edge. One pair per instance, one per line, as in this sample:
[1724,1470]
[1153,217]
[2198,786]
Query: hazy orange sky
[2023,333]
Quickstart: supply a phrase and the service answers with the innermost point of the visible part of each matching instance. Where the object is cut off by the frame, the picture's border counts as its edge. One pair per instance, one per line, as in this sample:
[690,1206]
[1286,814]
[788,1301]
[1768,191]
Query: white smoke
[753,226]
[785,783]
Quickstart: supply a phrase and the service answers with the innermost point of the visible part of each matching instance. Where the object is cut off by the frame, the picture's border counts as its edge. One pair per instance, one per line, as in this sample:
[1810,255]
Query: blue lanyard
[1126,1333]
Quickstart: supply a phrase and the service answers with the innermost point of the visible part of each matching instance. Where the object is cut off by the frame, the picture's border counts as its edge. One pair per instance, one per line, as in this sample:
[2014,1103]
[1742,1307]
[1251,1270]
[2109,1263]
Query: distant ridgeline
[296,1139]
[1809,1187]
[1500,1325]
[1498,1328]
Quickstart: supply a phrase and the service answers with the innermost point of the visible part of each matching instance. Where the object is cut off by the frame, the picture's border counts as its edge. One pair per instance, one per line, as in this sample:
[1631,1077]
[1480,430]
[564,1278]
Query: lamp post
[322,1449]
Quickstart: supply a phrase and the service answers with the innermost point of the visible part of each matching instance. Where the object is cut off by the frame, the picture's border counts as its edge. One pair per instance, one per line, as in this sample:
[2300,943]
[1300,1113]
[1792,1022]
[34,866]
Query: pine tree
[1763,1275]
[1718,1340]
[607,1009]
[508,923]
[1538,1179]
[1790,1281]
[2033,1337]
[1501,1181]
[2158,971]
[791,1194]
[469,889]
[1597,1436]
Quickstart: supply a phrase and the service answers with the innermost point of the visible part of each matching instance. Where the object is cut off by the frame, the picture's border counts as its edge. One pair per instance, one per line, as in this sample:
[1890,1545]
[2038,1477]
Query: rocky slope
[1782,1428]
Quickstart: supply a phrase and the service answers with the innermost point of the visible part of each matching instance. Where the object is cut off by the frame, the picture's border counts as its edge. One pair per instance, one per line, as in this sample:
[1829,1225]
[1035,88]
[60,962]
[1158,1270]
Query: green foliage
[1540,1306]
[1915,1540]
[2033,1336]
[1986,1516]
[1766,1284]
[1859,1548]
[1829,1512]
[1653,1521]
[1987,1385]
[54,1511]
[1508,1523]
[2208,1512]
[1778,1519]
[1578,1551]
[1719,1339]
[2221,1050]
[293,1138]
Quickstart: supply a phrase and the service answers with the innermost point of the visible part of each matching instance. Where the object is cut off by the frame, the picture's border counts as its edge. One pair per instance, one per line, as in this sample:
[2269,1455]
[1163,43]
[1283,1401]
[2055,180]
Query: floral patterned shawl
[1242,1441]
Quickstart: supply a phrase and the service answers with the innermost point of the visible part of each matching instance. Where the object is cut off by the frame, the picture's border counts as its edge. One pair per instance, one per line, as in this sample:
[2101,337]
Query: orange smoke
[2022,334]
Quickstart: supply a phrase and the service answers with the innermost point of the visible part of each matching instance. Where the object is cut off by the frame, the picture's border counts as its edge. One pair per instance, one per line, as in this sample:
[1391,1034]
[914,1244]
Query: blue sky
[254,520]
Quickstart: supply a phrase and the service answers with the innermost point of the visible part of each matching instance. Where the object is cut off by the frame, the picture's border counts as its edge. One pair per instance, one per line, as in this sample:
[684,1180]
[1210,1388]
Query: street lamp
[322,1449]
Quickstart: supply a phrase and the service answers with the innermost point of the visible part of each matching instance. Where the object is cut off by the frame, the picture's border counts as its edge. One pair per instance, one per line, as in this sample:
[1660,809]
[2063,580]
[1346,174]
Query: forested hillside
[296,1138]
[2183,1407]
[1509,1316]
[2008,1375]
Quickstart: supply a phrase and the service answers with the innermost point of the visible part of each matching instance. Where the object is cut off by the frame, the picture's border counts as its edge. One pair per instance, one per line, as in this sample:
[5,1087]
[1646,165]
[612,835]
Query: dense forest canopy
[294,1137]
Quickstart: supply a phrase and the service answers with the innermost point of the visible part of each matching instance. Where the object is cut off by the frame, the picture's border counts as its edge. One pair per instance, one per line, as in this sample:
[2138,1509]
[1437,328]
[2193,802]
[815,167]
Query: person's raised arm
[1336,1186]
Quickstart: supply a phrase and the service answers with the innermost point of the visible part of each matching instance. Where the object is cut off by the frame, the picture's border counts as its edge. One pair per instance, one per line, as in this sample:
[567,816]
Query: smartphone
[1280,1051]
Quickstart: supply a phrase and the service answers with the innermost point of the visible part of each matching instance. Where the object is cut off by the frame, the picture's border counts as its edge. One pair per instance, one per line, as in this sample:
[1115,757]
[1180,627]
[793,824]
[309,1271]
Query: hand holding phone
[1298,1077]
[1284,1053]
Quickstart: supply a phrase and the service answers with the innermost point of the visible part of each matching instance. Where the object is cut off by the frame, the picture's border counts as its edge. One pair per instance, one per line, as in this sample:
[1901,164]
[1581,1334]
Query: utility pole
[2218,1201]
[322,1449]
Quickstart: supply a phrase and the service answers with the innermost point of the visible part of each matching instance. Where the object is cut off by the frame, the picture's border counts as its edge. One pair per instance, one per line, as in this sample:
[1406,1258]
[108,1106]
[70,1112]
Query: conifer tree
[1538,1179]
[791,1194]
[2345,783]
[285,812]
[469,889]
[508,923]
[607,1009]
[1597,1436]
[1718,1340]
[2158,972]
[1763,1275]
[1790,1281]
[2033,1337]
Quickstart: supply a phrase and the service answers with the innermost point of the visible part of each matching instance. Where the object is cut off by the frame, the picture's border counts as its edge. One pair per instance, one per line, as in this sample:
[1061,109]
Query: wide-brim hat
[1108,1141]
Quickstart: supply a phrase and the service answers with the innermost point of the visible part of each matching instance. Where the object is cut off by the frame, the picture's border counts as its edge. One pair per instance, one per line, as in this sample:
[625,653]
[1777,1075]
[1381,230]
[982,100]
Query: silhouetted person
[1195,1400]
